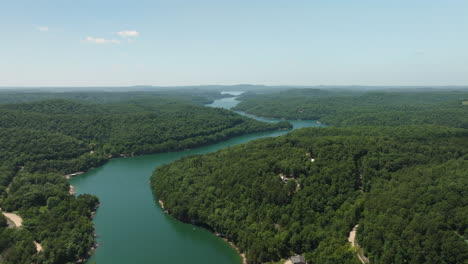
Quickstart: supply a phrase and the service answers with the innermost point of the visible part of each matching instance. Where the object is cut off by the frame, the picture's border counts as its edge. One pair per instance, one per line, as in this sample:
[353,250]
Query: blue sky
[295,42]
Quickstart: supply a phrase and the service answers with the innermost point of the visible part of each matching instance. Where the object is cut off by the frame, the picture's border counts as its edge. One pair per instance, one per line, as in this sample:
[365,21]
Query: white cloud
[101,40]
[42,28]
[128,33]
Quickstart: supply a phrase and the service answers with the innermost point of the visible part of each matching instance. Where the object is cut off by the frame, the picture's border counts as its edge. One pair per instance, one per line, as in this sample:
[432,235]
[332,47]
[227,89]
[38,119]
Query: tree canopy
[272,200]
[360,108]
[42,140]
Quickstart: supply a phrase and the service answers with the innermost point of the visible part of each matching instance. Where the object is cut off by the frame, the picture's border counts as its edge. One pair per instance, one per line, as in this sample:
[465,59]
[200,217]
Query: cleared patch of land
[14,218]
[38,246]
[72,190]
[354,244]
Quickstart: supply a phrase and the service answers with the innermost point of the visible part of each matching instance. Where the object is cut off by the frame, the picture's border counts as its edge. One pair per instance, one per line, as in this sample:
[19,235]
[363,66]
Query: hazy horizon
[239,85]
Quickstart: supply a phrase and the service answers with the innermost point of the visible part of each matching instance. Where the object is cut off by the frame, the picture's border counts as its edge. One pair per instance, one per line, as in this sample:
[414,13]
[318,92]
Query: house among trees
[284,178]
[298,259]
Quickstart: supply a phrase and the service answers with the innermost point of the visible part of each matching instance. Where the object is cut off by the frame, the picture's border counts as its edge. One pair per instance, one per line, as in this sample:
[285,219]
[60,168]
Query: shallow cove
[130,225]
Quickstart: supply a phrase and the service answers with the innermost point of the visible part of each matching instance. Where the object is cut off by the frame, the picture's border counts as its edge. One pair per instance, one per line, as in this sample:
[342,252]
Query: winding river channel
[130,225]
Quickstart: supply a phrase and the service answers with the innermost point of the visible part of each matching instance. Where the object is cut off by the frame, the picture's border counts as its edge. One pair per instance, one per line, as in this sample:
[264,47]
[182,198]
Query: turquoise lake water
[130,225]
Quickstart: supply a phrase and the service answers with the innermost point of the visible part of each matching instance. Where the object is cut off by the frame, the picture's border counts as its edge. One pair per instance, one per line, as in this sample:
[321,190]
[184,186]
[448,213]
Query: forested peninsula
[397,167]
[363,108]
[45,136]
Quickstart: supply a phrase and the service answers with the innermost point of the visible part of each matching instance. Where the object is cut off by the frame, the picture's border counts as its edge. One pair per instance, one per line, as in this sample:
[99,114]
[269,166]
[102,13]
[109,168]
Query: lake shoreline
[126,155]
[230,243]
[272,118]
[253,134]
[95,245]
[72,188]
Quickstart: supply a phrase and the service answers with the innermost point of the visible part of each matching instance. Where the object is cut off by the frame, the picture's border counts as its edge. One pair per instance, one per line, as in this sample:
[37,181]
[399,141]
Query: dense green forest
[138,126]
[405,186]
[400,171]
[358,108]
[41,141]
[194,95]
[398,167]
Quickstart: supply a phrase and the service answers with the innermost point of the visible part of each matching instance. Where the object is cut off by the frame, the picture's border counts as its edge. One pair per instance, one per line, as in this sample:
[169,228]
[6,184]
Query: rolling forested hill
[142,126]
[397,168]
[387,108]
[40,141]
[405,186]
[191,95]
